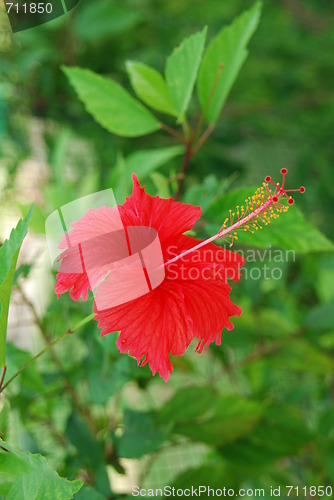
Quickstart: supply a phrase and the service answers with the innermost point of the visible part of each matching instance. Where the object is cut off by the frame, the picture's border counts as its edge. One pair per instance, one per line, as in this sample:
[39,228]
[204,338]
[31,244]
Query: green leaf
[30,476]
[143,163]
[30,377]
[297,355]
[9,253]
[226,50]
[218,209]
[140,435]
[325,278]
[105,383]
[146,161]
[232,417]
[4,417]
[325,422]
[320,317]
[181,71]
[23,270]
[286,427]
[37,221]
[110,104]
[90,451]
[211,475]
[162,184]
[186,405]
[209,189]
[80,436]
[281,432]
[89,493]
[99,21]
[290,231]
[150,86]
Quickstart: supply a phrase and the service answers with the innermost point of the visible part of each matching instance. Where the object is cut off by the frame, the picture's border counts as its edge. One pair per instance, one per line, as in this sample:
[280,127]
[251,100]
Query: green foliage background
[254,412]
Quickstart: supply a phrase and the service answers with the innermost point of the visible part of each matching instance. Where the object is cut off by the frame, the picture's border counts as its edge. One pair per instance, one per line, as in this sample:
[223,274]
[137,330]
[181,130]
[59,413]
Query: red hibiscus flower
[191,302]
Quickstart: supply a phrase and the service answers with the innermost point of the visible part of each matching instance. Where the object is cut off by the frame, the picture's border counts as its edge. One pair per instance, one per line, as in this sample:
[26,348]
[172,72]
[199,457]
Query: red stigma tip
[280,189]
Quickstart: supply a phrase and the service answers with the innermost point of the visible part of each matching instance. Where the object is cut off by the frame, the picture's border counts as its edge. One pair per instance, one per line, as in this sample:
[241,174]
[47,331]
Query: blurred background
[256,411]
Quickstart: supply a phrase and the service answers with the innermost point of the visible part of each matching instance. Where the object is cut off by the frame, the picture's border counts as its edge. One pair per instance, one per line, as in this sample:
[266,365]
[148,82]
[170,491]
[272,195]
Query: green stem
[266,350]
[64,5]
[3,375]
[173,132]
[187,156]
[203,138]
[81,323]
[43,351]
[186,128]
[189,153]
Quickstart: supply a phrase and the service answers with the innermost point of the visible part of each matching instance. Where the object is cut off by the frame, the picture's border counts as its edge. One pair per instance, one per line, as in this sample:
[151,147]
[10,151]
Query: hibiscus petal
[77,284]
[168,217]
[210,253]
[95,222]
[152,327]
[203,277]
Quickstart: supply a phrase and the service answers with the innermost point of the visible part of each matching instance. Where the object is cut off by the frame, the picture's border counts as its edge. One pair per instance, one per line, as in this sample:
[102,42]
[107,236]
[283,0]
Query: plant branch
[61,438]
[187,155]
[306,16]
[46,349]
[47,339]
[203,138]
[4,369]
[174,133]
[267,349]
[186,127]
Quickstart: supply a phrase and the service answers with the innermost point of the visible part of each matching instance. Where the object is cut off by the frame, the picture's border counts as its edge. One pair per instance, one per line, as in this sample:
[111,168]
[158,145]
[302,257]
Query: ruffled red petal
[152,327]
[76,284]
[203,277]
[170,218]
[71,276]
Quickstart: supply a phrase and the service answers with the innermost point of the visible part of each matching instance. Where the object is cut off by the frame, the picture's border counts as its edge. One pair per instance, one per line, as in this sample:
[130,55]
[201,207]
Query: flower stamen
[257,212]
